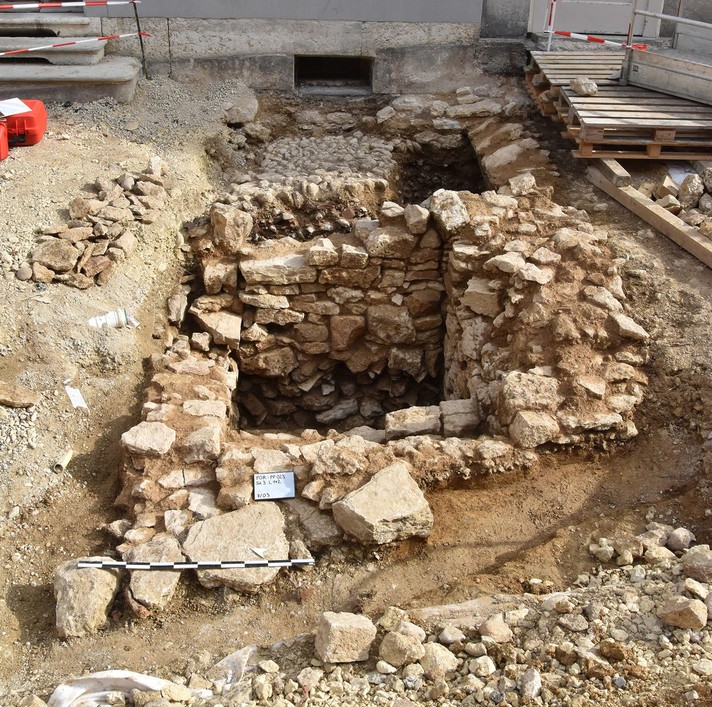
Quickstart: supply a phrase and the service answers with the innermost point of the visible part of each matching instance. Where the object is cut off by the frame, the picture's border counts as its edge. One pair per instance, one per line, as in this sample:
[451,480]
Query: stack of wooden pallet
[623,122]
[629,122]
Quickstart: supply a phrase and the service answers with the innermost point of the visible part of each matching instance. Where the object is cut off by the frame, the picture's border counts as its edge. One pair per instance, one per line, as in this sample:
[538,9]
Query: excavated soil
[491,536]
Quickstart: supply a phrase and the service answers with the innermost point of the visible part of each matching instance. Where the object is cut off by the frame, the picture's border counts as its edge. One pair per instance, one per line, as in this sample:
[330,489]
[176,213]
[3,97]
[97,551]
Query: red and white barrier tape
[47,5]
[78,41]
[599,40]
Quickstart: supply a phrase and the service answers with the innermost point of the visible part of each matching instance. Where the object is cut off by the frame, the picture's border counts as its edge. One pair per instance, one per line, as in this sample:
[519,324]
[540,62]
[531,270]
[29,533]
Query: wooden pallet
[628,122]
[547,72]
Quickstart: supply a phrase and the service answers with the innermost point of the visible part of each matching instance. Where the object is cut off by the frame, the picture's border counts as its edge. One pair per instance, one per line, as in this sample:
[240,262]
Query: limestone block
[344,637]
[448,210]
[83,597]
[583,86]
[485,107]
[346,330]
[150,439]
[497,629]
[416,218]
[275,363]
[408,361]
[390,242]
[399,649]
[17,396]
[522,184]
[57,255]
[202,503]
[354,257]
[349,277]
[437,661]
[529,428]
[282,270]
[413,421]
[219,274]
[670,203]
[628,328]
[205,408]
[481,298]
[459,417]
[269,460]
[318,528]
[507,263]
[684,613]
[391,324]
[204,444]
[389,507]
[697,563]
[154,589]
[525,391]
[322,254]
[231,227]
[691,189]
[225,327]
[231,536]
[264,301]
[390,211]
[233,497]
[244,109]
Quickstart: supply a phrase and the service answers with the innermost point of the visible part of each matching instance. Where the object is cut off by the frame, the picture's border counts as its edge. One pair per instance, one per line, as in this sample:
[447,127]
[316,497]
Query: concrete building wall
[505,19]
[337,10]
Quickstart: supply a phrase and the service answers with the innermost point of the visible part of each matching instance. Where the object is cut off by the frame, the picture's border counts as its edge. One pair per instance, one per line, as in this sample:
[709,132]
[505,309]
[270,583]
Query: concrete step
[115,77]
[89,53]
[40,24]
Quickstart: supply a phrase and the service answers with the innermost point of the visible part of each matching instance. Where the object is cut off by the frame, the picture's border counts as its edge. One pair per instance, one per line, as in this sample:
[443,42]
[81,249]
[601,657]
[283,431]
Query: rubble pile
[620,635]
[691,199]
[100,233]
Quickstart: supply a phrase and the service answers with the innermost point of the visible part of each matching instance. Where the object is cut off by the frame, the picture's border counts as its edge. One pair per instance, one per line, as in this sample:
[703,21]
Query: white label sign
[273,486]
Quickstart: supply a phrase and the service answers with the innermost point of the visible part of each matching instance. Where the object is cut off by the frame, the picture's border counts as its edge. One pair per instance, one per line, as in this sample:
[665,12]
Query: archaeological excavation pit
[331,327]
[356,305]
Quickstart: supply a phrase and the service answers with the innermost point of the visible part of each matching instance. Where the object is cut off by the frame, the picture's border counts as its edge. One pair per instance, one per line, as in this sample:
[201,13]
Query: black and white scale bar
[166,566]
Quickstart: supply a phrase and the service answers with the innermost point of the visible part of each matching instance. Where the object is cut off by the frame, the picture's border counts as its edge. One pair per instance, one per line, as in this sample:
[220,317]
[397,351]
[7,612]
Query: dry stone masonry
[513,302]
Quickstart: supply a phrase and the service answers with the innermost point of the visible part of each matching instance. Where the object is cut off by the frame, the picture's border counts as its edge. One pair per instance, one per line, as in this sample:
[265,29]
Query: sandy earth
[493,535]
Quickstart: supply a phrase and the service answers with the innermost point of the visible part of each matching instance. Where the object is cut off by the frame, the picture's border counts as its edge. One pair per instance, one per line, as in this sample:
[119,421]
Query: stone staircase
[78,73]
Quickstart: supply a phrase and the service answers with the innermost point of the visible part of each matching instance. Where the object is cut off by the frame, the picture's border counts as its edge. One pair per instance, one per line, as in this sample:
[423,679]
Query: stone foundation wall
[536,326]
[326,330]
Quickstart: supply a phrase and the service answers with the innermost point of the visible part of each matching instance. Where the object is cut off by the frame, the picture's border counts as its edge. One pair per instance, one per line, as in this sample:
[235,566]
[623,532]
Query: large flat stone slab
[90,53]
[115,77]
[389,507]
[36,24]
[231,537]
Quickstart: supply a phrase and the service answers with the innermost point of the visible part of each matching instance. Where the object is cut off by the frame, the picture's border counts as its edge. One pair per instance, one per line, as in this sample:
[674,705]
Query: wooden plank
[614,172]
[675,229]
[574,133]
[644,100]
[643,122]
[655,112]
[631,155]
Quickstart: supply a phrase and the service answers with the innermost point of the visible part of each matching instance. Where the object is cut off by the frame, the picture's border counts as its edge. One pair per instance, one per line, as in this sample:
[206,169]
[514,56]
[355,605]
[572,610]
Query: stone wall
[344,326]
[536,326]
